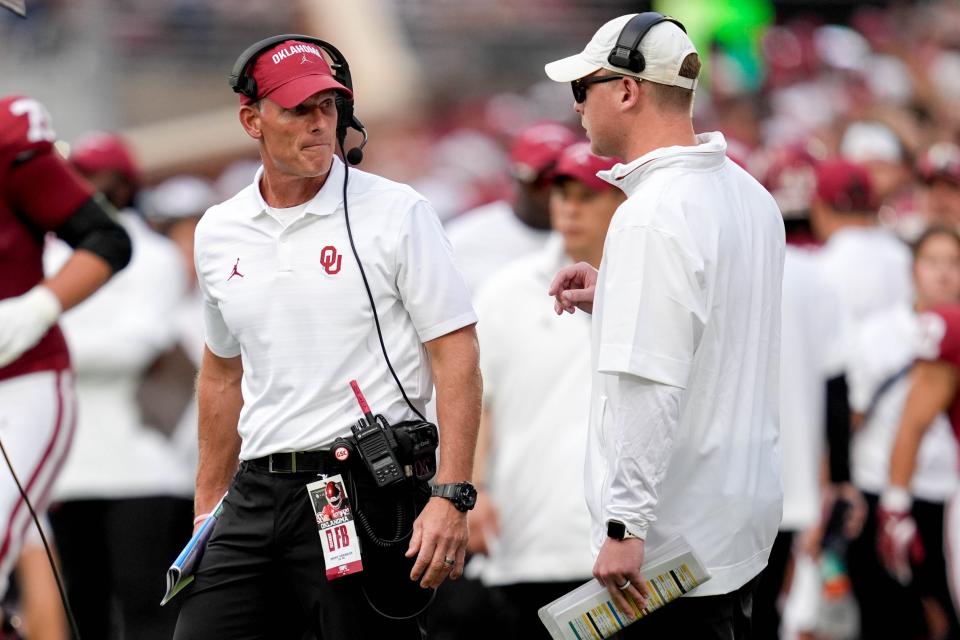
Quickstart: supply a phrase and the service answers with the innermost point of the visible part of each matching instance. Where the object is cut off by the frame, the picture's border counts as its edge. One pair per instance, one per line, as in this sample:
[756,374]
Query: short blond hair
[671,98]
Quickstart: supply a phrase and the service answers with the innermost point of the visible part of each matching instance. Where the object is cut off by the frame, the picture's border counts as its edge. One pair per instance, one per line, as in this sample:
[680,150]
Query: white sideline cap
[664,48]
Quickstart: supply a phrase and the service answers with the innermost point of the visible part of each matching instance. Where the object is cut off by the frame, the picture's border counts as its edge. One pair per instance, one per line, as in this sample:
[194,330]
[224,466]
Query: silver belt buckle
[293,462]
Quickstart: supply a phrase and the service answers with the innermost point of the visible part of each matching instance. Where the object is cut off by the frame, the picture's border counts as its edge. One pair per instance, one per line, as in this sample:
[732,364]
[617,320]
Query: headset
[242,81]
[626,53]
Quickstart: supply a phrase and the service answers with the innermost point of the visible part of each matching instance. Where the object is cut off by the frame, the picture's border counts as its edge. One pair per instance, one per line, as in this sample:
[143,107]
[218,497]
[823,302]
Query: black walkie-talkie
[376,444]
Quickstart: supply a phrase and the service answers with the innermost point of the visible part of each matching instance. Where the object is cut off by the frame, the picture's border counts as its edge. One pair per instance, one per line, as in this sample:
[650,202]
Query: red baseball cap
[291,72]
[103,151]
[578,163]
[940,162]
[790,177]
[845,186]
[537,148]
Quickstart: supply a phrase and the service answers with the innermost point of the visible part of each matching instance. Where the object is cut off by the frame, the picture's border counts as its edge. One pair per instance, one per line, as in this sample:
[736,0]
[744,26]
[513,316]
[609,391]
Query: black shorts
[262,575]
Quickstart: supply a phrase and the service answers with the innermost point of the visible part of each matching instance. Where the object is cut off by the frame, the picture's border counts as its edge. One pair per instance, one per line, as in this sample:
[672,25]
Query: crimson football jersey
[940,340]
[39,191]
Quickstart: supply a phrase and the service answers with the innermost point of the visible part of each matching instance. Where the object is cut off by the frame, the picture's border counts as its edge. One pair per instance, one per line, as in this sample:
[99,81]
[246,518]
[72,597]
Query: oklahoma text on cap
[291,72]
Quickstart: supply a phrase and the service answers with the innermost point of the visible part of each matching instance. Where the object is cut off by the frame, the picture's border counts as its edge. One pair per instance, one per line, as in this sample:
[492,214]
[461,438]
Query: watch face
[467,495]
[616,530]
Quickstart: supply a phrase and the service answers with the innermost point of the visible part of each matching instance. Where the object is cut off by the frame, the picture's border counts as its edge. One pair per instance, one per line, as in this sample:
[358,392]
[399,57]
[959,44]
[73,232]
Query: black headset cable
[366,285]
[46,547]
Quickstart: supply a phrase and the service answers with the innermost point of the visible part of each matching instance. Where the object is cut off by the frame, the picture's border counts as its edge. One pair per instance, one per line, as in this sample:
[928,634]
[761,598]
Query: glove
[24,320]
[898,542]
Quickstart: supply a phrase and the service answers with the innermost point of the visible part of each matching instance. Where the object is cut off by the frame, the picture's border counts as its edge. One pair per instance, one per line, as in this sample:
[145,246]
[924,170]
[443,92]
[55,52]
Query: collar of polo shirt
[326,202]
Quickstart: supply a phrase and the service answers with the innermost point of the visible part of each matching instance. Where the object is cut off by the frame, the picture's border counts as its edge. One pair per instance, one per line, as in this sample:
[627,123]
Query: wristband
[44,303]
[896,500]
[200,518]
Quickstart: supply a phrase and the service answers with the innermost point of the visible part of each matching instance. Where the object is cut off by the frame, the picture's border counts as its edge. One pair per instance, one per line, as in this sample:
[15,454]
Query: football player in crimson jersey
[933,389]
[40,193]
[334,502]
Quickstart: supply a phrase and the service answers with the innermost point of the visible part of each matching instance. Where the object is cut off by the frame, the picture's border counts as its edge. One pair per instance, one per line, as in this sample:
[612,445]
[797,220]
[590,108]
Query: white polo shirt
[290,301]
[114,337]
[870,269]
[489,237]
[536,390]
[688,300]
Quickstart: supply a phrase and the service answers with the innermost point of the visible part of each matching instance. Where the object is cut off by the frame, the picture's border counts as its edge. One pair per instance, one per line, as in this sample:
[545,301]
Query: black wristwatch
[463,495]
[617,530]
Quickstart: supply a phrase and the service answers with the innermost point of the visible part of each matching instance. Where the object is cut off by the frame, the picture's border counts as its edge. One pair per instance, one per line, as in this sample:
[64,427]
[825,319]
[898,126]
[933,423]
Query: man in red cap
[304,274]
[490,236]
[107,162]
[528,353]
[813,389]
[867,264]
[939,169]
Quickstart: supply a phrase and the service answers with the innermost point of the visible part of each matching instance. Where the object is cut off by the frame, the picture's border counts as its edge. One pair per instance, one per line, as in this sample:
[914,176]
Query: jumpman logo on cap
[304,59]
[235,272]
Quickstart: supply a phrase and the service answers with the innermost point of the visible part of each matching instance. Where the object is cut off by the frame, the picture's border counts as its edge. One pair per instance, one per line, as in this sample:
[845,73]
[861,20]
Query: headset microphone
[355,155]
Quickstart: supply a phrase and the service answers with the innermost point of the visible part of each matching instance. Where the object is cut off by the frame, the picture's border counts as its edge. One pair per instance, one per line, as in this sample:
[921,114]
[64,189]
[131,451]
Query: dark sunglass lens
[579,90]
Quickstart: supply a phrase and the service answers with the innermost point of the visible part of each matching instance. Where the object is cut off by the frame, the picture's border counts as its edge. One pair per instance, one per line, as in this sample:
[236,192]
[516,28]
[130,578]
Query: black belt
[294,462]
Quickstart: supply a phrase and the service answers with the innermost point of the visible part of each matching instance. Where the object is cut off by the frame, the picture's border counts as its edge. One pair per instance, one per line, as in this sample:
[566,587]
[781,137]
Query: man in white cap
[685,335]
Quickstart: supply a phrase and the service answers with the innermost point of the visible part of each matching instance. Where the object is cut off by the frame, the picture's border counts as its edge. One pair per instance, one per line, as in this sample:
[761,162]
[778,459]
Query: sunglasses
[580,86]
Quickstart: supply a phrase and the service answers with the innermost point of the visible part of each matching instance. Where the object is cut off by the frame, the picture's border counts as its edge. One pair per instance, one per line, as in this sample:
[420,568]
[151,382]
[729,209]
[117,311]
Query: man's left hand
[619,564]
[439,533]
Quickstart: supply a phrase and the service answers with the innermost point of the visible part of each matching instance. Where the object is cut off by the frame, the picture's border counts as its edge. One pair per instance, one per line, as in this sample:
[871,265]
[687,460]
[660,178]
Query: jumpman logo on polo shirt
[304,59]
[235,272]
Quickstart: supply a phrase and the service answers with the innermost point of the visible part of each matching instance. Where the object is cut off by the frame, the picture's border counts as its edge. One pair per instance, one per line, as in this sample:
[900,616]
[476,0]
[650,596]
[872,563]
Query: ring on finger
[626,584]
[447,560]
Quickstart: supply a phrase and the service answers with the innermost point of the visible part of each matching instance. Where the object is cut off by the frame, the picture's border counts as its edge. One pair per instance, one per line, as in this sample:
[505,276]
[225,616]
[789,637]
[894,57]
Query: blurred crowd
[855,130]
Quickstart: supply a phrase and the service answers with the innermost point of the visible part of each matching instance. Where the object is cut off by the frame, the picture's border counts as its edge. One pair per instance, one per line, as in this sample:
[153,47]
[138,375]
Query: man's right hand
[573,288]
[484,524]
[898,541]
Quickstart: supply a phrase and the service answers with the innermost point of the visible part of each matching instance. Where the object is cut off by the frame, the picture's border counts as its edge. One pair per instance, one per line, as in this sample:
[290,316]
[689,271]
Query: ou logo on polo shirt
[330,260]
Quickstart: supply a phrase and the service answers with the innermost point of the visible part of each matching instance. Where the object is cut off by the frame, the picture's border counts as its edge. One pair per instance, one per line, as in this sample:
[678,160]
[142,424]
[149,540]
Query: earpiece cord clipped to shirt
[46,547]
[366,284]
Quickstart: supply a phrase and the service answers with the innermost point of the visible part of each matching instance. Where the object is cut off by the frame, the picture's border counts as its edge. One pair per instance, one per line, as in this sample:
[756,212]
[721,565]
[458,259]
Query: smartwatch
[463,495]
[618,531]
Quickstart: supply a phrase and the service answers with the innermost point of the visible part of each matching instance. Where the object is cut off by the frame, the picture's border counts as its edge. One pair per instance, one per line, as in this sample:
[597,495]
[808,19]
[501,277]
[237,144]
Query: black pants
[262,576]
[875,590]
[723,617]
[465,609]
[518,604]
[766,614]
[114,555]
[930,577]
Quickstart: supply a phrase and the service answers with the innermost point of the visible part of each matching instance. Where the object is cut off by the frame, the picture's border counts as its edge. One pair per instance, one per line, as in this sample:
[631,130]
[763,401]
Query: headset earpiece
[626,53]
